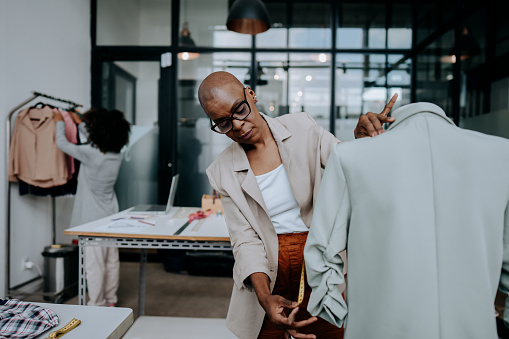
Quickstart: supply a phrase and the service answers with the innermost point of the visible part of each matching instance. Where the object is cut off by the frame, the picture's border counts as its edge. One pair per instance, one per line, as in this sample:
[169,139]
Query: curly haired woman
[107,132]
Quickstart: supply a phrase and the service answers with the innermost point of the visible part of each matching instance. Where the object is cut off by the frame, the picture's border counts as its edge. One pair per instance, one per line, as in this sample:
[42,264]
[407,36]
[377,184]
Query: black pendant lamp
[261,78]
[248,17]
[186,41]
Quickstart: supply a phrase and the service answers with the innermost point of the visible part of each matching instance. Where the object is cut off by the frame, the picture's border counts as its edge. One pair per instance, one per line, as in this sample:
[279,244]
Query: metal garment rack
[34,96]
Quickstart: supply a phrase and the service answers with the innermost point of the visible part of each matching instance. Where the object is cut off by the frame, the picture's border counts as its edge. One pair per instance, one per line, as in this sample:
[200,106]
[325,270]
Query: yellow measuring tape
[70,326]
[302,284]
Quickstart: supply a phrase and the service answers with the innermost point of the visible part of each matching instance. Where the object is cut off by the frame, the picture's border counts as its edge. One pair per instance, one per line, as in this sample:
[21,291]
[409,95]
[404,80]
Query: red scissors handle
[199,215]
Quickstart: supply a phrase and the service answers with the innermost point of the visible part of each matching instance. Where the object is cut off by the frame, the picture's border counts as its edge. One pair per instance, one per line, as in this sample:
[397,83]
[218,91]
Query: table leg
[82,274]
[141,292]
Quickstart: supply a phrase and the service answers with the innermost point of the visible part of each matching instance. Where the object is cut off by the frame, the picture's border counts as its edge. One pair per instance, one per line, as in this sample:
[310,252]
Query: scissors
[193,216]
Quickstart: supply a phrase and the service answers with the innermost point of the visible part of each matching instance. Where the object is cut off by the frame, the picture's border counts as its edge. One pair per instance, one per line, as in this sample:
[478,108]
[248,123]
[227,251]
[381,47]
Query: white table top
[96,322]
[178,328]
[125,224]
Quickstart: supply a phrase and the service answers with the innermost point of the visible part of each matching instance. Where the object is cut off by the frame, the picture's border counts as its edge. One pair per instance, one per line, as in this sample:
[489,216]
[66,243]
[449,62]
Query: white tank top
[284,211]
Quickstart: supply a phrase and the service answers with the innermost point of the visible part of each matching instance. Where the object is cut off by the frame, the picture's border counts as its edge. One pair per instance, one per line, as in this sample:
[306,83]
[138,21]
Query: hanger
[40,105]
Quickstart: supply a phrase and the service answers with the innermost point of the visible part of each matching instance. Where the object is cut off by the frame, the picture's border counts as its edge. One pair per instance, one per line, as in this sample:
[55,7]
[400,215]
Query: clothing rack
[8,133]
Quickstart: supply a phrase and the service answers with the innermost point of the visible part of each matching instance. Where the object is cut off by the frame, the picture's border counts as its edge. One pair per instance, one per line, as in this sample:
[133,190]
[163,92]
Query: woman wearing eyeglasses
[268,180]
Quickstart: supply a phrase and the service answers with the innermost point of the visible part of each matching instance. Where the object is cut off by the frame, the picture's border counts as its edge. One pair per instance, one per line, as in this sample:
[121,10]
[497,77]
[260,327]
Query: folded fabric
[20,319]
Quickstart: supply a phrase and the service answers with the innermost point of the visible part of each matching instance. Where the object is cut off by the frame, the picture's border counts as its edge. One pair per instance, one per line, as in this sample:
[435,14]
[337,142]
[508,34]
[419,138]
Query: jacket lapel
[282,137]
[246,176]
[243,170]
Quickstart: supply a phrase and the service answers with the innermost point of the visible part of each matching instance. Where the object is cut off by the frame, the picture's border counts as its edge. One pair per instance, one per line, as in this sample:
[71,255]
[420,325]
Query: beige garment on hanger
[34,156]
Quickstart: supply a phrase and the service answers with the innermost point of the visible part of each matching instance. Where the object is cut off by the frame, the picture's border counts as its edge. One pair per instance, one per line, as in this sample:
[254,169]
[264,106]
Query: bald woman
[268,180]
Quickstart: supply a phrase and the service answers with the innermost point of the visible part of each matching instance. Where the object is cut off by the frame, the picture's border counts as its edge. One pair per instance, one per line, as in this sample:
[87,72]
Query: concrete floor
[176,295]
[169,294]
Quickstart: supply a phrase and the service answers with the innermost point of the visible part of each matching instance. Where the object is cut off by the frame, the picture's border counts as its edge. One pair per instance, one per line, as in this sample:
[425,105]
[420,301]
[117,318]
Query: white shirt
[284,211]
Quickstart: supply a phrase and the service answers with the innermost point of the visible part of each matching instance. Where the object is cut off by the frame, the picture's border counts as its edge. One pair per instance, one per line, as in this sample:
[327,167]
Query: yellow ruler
[302,284]
[70,326]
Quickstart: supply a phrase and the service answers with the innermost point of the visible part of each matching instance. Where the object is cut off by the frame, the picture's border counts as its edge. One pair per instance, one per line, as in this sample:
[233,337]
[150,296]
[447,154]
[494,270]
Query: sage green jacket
[423,211]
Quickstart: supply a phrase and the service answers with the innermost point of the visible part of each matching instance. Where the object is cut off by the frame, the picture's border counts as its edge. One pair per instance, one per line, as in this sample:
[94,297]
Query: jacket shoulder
[486,137]
[296,121]
[222,165]
[221,160]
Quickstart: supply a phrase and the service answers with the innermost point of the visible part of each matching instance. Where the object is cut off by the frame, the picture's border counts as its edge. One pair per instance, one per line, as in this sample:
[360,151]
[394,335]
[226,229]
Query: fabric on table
[290,261]
[20,319]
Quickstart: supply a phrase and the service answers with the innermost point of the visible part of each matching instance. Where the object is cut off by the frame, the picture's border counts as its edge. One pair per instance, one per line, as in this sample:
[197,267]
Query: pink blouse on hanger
[71,135]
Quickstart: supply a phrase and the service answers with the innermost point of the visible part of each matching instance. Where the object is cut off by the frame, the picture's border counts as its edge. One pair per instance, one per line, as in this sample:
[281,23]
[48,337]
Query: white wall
[44,46]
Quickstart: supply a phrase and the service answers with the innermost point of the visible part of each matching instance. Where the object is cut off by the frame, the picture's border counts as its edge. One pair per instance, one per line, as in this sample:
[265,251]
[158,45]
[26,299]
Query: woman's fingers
[298,335]
[306,322]
[371,124]
[390,104]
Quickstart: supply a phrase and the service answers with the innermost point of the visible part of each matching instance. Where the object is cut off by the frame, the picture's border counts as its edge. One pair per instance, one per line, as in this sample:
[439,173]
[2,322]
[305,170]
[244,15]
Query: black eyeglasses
[241,112]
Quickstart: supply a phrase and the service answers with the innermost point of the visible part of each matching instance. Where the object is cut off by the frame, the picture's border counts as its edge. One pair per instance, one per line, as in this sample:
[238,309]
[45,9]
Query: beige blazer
[34,156]
[304,147]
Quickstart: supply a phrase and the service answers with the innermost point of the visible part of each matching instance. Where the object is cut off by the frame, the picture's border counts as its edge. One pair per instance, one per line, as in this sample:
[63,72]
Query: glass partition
[365,83]
[198,146]
[207,24]
[473,67]
[134,22]
[435,73]
[135,94]
[297,24]
[295,82]
[361,25]
[399,34]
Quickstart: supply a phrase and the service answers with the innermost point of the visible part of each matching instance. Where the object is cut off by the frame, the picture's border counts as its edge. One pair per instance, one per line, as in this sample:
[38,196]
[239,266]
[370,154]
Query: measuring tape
[67,328]
[302,284]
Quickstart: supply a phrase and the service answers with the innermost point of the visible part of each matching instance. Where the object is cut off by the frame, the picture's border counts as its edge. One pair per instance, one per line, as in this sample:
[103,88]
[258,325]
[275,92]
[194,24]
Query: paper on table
[183,212]
[212,226]
[124,226]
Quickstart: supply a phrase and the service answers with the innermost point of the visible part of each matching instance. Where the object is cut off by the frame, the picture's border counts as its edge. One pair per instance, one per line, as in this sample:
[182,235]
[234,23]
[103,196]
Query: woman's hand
[371,124]
[76,118]
[275,305]
[57,116]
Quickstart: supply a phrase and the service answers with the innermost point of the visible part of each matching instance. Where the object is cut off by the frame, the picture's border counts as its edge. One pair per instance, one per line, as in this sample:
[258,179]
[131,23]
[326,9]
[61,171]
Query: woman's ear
[252,93]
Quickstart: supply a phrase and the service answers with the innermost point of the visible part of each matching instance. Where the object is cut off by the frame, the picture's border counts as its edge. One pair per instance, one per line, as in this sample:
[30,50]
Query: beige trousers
[103,268]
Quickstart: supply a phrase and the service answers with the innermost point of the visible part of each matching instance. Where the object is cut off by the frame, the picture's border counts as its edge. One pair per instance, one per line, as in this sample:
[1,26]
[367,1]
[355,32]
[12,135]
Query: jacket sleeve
[504,277]
[66,146]
[248,249]
[327,237]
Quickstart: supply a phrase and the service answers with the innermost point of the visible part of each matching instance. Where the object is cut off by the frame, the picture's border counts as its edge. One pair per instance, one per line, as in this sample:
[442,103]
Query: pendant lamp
[186,41]
[248,17]
[261,79]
